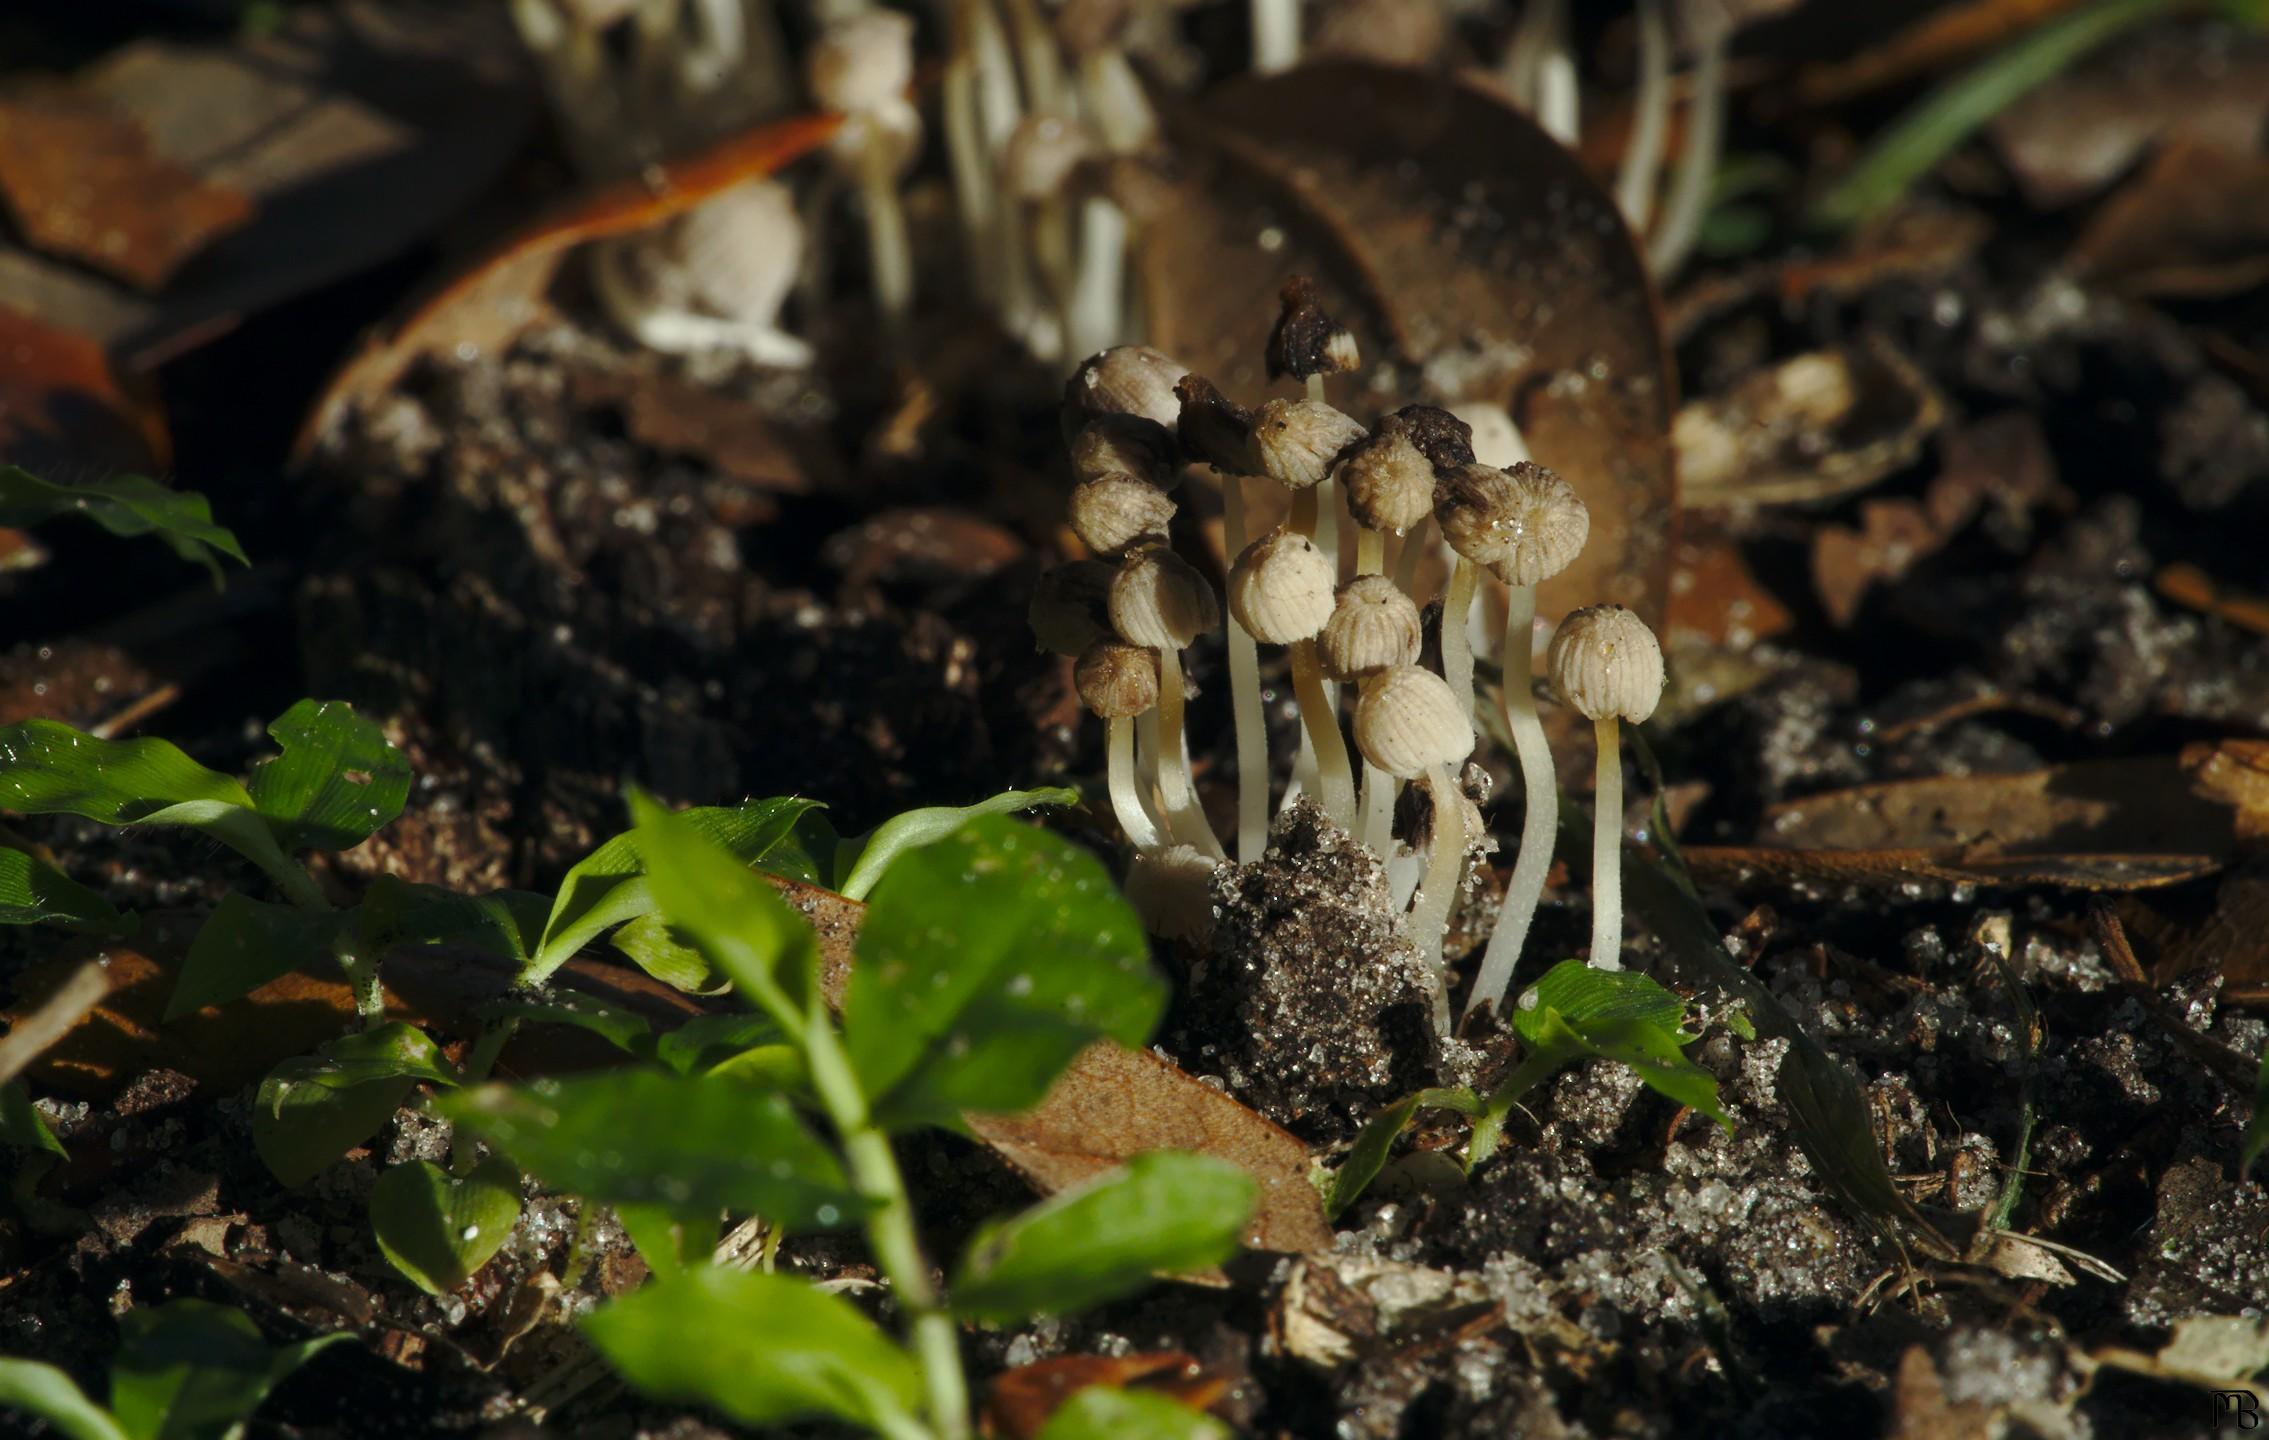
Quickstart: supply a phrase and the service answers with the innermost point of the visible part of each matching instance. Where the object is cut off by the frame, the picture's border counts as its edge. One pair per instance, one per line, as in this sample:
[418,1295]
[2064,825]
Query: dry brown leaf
[1466,250]
[1020,1402]
[1747,867]
[84,183]
[1938,41]
[63,407]
[2186,584]
[1920,244]
[1846,562]
[1716,600]
[1811,428]
[2234,773]
[2194,225]
[483,308]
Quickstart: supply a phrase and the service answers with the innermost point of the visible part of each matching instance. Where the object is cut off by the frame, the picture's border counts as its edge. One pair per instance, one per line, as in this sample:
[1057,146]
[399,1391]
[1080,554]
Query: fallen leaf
[1918,244]
[2186,584]
[1935,42]
[663,409]
[1020,1402]
[1846,562]
[1470,254]
[2225,933]
[64,408]
[922,545]
[1811,428]
[1337,1308]
[2193,226]
[1717,601]
[484,307]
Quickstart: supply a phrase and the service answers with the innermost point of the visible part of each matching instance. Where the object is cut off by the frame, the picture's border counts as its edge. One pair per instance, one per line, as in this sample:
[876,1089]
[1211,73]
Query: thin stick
[1245,697]
[1540,816]
[1335,778]
[1133,819]
[1185,819]
[1430,913]
[1607,848]
[1457,624]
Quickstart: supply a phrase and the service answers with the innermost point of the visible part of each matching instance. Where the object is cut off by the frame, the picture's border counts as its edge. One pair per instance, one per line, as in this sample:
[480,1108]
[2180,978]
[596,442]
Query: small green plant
[185,1370]
[1575,1012]
[987,960]
[127,505]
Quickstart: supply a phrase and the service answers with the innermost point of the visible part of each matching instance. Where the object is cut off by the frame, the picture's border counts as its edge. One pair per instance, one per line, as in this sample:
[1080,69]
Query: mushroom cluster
[1351,624]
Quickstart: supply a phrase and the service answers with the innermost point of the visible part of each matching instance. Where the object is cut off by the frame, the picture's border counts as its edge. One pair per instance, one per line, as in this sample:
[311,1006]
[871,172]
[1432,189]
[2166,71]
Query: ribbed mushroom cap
[1389,480]
[1280,589]
[739,250]
[1111,512]
[1128,445]
[1070,607]
[1298,441]
[1526,523]
[1171,888]
[1041,153]
[1408,721]
[1605,662]
[859,63]
[1160,601]
[1124,380]
[1373,627]
[1116,680]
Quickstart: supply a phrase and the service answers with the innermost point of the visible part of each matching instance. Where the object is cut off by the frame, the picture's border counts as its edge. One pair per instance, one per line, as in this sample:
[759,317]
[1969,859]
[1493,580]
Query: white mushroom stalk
[1307,344]
[1642,158]
[712,278]
[1374,627]
[1409,724]
[1547,525]
[1276,35]
[1607,664]
[1160,602]
[1711,29]
[861,68]
[1281,590]
[1118,682]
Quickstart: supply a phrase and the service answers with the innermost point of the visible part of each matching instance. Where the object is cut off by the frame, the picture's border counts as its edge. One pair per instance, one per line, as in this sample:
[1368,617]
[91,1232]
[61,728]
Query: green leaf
[246,943]
[43,1390]
[395,911]
[190,1369]
[438,1229]
[22,1125]
[861,862]
[1586,997]
[737,919]
[688,1145]
[125,505]
[2256,1141]
[48,768]
[315,1108]
[762,1349]
[608,887]
[649,943]
[1915,142]
[33,892]
[987,960]
[337,781]
[1163,1212]
[708,1040]
[1368,1155]
[671,1244]
[1102,1413]
[626,1030]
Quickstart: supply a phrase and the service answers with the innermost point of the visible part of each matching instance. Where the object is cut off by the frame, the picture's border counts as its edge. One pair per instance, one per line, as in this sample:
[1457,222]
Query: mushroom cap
[1160,601]
[1307,340]
[1526,523]
[1116,680]
[1373,627]
[1124,380]
[738,251]
[1280,589]
[1041,153]
[1298,441]
[861,62]
[1070,607]
[1408,721]
[1111,512]
[894,124]
[1128,445]
[1389,481]
[1440,436]
[1214,428]
[1605,661]
[1171,888]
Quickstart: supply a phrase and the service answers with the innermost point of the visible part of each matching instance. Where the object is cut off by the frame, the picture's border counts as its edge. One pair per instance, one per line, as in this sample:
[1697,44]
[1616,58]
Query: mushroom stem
[1303,518]
[1098,293]
[1276,35]
[1370,552]
[1607,848]
[1540,815]
[1642,161]
[973,192]
[1556,98]
[1414,548]
[1126,800]
[1185,820]
[1245,697]
[888,254]
[1430,913]
[1376,827]
[1335,778]
[1697,163]
[1457,639]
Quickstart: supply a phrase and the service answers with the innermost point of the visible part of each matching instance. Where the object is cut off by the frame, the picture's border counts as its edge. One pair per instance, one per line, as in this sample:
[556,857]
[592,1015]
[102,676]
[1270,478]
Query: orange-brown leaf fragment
[1019,1404]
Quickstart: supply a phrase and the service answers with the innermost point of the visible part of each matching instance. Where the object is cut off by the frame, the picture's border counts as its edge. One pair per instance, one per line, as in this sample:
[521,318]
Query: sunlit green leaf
[861,862]
[649,943]
[709,895]
[33,892]
[626,1030]
[684,1144]
[335,782]
[1161,1213]
[125,505]
[671,1244]
[438,1228]
[707,1040]
[315,1108]
[1102,1413]
[395,911]
[1368,1155]
[21,1124]
[609,886]
[244,944]
[193,1370]
[31,1388]
[762,1349]
[987,960]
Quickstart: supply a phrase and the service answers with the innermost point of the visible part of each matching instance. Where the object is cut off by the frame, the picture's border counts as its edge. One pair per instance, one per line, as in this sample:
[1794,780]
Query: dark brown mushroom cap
[1070,607]
[1307,340]
[1127,445]
[1213,428]
[1440,436]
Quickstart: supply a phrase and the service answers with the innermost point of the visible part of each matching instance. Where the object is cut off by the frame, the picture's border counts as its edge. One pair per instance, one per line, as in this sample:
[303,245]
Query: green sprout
[125,505]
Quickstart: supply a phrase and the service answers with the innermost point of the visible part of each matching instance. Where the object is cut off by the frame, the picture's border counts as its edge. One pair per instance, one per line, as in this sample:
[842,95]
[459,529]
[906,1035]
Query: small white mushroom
[1607,664]
[1374,627]
[861,67]
[1160,601]
[1115,511]
[711,278]
[1409,724]
[1281,592]
[1118,682]
[1172,890]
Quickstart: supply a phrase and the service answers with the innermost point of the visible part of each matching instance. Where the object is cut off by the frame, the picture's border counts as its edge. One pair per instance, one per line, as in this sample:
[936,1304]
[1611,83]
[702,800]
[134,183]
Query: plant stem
[1607,848]
[1185,819]
[1125,803]
[1430,915]
[1335,777]
[1697,163]
[1642,159]
[889,255]
[1245,697]
[1414,547]
[1457,625]
[1540,815]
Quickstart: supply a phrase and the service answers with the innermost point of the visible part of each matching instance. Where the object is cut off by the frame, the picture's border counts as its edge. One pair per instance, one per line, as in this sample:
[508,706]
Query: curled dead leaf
[1814,427]
[1020,1402]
